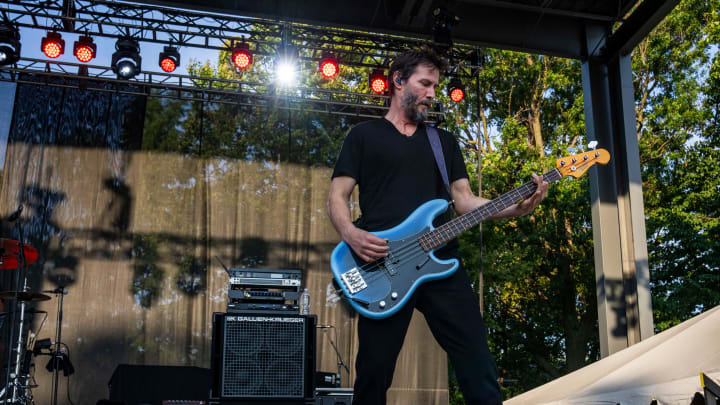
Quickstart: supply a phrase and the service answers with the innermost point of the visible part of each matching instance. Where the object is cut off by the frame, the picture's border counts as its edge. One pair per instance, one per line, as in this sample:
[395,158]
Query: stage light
[456,90]
[286,66]
[9,44]
[84,49]
[241,55]
[444,20]
[329,66]
[52,45]
[378,81]
[169,59]
[286,73]
[126,61]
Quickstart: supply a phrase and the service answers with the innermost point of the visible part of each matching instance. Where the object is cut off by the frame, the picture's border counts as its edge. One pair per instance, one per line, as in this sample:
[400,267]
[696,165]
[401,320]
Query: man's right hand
[366,245]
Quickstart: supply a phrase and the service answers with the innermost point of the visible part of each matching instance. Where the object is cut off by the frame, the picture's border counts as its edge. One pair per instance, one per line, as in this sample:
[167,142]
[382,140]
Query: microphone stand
[341,363]
[60,292]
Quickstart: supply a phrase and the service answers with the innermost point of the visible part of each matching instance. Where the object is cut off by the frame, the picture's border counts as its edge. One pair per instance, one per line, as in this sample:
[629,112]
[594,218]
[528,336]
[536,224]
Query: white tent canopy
[665,366]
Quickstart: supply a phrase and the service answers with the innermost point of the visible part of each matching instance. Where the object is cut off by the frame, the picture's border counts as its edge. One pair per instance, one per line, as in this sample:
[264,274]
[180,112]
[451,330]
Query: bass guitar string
[507,199]
[370,269]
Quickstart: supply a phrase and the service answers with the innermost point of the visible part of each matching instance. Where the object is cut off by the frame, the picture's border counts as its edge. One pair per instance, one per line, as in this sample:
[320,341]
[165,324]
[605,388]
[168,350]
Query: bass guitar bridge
[353,280]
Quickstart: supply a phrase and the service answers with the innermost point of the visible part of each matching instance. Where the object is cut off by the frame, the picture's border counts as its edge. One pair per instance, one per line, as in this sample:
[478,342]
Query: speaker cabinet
[263,356]
[132,384]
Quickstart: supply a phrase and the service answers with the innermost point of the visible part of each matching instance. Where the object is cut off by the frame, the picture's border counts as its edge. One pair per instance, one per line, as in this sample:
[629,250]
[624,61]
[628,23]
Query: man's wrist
[346,230]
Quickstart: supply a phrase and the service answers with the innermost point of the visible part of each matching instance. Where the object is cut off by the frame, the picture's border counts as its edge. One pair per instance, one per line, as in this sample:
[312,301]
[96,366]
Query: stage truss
[184,28]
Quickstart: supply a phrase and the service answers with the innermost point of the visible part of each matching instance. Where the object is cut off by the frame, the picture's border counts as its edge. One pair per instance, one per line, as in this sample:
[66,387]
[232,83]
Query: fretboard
[448,231]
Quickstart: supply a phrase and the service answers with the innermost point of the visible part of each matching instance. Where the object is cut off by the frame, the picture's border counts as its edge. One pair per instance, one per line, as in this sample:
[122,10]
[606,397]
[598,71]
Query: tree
[676,87]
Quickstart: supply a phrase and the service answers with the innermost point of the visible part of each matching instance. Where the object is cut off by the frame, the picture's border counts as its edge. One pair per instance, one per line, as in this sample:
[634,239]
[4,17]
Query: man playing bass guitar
[392,162]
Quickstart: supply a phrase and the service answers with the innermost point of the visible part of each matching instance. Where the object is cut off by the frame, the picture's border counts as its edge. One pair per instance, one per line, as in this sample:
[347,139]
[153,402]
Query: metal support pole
[621,263]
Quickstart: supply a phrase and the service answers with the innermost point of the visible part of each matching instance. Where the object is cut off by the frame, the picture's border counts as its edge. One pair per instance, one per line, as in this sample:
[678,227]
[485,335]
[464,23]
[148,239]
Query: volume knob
[382,304]
[394,295]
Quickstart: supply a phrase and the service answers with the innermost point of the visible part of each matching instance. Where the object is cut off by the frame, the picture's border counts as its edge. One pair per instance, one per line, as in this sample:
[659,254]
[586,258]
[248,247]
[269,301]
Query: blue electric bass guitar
[379,289]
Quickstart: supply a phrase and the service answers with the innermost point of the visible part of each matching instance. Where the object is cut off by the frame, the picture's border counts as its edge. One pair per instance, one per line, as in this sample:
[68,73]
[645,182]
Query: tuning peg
[592,144]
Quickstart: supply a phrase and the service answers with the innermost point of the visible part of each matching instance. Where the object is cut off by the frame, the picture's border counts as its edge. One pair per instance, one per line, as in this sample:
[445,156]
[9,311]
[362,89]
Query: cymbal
[24,296]
[10,252]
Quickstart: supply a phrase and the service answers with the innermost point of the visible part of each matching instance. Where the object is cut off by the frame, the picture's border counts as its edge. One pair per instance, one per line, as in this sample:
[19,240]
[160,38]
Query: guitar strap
[434,139]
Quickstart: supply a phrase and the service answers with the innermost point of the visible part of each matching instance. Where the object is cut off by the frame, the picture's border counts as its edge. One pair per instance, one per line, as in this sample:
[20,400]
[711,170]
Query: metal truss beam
[211,31]
[196,88]
[157,24]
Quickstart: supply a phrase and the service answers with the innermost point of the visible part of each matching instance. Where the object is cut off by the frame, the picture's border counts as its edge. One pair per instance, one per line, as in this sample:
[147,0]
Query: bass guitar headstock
[577,165]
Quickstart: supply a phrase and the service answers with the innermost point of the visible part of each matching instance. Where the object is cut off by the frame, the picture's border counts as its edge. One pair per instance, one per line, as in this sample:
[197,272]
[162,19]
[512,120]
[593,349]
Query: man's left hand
[527,205]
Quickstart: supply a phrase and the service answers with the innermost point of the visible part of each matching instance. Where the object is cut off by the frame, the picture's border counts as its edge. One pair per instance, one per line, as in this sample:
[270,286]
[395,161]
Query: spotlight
[286,66]
[169,59]
[329,66]
[241,55]
[85,49]
[126,61]
[9,45]
[378,81]
[456,90]
[52,45]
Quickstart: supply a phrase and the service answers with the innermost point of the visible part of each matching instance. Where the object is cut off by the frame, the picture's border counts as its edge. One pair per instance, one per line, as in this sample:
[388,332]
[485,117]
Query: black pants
[453,314]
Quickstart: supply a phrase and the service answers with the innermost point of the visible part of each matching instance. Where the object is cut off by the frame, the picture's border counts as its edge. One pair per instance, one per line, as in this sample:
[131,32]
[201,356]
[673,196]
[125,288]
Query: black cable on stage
[68,377]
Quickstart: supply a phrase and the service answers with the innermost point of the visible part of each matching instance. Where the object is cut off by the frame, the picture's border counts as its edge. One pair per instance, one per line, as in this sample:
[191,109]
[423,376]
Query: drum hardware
[10,251]
[16,255]
[23,296]
[19,378]
[13,255]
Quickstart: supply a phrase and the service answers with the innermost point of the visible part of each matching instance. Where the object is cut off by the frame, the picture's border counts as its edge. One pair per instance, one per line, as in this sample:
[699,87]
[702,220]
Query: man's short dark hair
[407,62]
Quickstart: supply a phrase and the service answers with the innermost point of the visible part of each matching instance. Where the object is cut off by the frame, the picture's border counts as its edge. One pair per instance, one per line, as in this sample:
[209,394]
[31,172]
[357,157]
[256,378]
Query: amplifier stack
[263,350]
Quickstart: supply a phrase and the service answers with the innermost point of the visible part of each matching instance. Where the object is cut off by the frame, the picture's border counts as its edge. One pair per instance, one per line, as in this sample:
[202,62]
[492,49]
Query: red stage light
[241,56]
[84,49]
[457,95]
[242,60]
[84,53]
[167,65]
[329,66]
[52,45]
[378,85]
[378,81]
[456,90]
[169,59]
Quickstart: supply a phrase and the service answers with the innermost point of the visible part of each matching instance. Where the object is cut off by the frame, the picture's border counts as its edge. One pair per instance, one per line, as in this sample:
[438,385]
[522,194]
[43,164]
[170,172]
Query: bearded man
[392,162]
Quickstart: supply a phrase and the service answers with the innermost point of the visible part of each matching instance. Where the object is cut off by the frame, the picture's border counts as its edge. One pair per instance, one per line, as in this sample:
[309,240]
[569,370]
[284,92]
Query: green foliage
[248,132]
[538,271]
[538,274]
[677,107]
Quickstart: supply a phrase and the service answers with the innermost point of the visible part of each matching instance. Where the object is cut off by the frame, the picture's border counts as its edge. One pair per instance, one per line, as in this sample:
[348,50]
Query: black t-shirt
[397,173]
